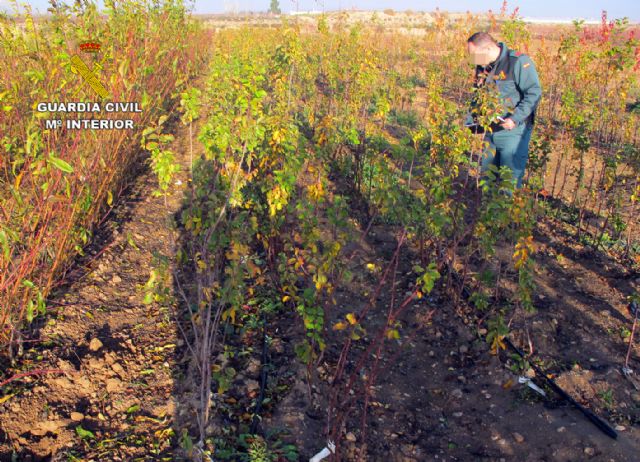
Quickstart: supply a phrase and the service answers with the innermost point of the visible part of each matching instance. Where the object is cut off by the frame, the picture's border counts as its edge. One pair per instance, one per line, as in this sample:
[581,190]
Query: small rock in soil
[82,382]
[77,416]
[253,367]
[457,393]
[62,382]
[252,385]
[589,451]
[95,344]
[518,437]
[351,437]
[49,426]
[113,385]
[118,369]
[95,363]
[130,345]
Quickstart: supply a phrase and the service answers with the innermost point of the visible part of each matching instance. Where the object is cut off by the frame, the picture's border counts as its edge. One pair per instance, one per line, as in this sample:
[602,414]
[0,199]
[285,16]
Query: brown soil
[116,354]
[444,397]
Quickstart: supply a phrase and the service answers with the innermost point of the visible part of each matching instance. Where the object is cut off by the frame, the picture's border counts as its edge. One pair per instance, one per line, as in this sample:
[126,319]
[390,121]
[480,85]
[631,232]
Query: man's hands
[508,124]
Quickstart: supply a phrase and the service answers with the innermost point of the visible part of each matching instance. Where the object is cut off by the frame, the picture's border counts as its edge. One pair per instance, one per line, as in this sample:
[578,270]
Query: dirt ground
[119,393]
[446,397]
[115,356]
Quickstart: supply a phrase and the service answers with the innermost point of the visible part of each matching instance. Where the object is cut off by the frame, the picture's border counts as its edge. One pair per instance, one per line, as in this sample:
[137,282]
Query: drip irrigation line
[597,421]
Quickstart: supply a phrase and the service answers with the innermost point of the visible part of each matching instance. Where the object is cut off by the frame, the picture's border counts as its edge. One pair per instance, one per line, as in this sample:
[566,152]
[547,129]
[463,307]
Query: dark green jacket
[517,79]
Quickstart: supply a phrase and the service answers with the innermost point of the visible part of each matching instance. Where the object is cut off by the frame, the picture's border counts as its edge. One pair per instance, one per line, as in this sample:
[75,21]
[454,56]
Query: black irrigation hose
[597,421]
[263,380]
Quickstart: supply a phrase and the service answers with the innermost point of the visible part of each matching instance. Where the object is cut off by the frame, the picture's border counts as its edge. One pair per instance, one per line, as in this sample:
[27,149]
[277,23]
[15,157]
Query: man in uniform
[515,75]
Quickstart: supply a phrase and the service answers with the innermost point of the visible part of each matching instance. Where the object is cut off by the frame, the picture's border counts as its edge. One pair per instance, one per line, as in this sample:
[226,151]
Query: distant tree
[275,7]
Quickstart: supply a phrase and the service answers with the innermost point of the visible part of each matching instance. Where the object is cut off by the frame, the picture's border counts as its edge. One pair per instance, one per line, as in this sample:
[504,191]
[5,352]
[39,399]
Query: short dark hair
[481,38]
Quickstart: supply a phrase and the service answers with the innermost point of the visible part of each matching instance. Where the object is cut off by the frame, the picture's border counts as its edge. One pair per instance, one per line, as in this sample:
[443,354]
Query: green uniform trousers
[508,148]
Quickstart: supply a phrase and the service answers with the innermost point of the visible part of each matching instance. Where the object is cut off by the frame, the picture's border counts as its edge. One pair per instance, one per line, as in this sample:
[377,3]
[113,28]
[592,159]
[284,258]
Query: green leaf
[60,164]
[144,102]
[4,241]
[84,434]
[134,408]
[186,442]
[29,313]
[429,278]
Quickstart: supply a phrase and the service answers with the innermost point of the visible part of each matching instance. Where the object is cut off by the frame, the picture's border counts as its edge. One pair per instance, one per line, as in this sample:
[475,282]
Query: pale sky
[573,9]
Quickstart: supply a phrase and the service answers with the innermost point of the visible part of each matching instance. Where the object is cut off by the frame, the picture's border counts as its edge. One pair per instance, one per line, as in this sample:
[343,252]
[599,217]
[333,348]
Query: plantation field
[293,248]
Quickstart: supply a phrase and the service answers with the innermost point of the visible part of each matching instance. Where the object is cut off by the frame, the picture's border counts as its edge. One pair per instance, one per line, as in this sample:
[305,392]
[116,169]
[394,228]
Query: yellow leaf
[316,191]
[230,313]
[393,334]
[321,280]
[6,397]
[109,198]
[164,433]
[19,179]
[285,299]
[352,319]
[497,345]
[339,326]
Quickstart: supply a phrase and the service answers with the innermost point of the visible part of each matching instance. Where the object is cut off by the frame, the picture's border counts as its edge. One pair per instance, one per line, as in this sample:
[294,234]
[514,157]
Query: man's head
[482,49]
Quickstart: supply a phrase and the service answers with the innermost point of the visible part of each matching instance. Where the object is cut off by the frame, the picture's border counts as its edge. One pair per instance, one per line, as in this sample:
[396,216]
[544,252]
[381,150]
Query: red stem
[34,372]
